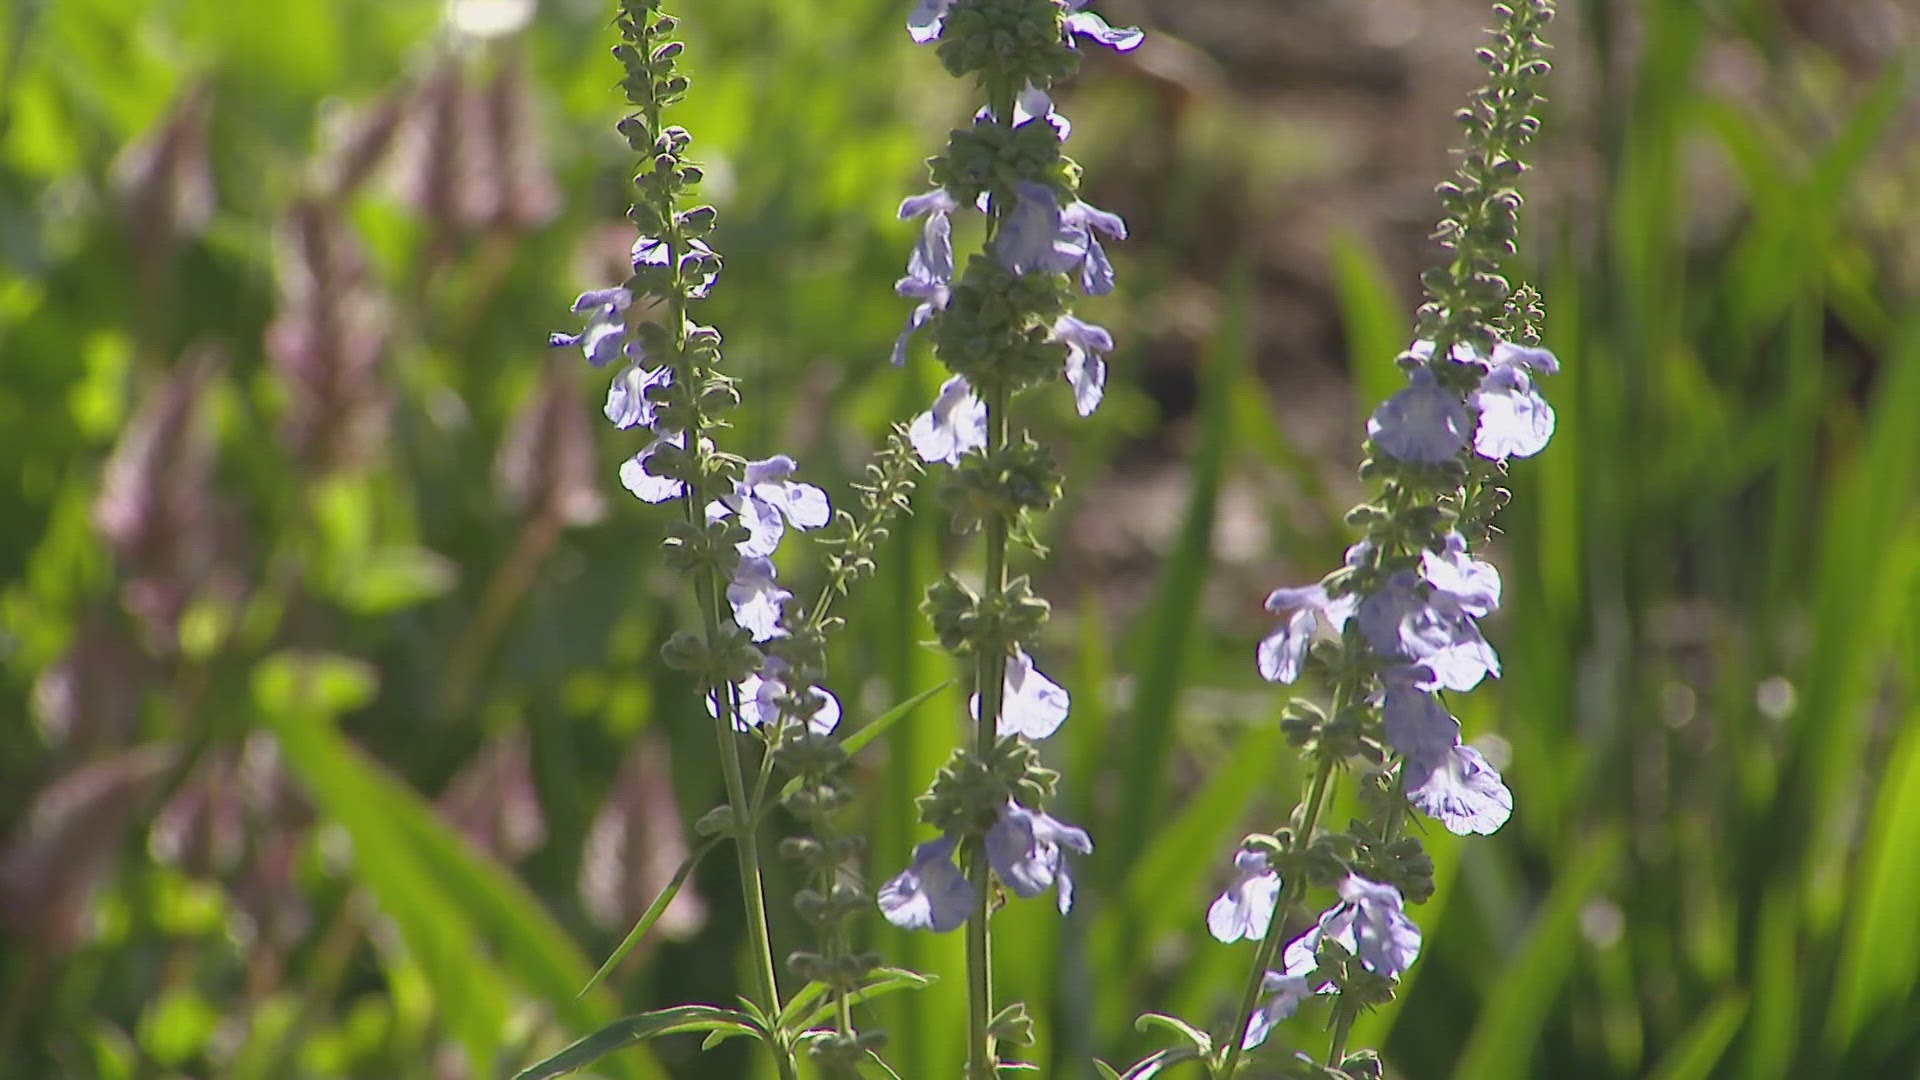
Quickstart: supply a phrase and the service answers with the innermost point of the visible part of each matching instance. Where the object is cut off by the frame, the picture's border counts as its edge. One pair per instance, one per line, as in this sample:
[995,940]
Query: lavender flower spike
[956,424]
[1032,704]
[931,893]
[1087,346]
[1245,909]
[1025,848]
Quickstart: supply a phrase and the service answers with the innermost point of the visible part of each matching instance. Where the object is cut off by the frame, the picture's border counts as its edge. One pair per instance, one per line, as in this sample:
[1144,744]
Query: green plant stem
[745,846]
[1290,893]
[990,684]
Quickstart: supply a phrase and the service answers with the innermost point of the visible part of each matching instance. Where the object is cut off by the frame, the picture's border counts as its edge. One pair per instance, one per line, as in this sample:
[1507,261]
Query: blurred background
[333,736]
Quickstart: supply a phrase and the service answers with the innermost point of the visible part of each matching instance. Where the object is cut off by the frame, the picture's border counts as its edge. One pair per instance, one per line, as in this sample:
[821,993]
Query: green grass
[1712,574]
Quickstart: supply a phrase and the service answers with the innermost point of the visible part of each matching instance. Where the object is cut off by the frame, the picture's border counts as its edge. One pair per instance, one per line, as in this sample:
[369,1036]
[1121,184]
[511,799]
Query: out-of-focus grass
[1709,639]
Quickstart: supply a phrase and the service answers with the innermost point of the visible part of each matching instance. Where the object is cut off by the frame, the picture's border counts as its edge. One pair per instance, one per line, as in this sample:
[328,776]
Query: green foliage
[1710,645]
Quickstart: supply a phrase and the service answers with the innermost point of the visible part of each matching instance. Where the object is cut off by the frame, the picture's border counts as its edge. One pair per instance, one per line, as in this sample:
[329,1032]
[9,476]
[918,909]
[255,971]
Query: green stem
[1290,893]
[990,684]
[708,588]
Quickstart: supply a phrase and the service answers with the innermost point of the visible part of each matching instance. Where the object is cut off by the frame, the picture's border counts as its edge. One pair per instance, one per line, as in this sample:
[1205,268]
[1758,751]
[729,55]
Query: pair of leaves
[794,1024]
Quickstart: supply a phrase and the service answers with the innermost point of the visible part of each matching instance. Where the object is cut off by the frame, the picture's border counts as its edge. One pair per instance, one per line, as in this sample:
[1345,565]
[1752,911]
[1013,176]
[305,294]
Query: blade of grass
[1517,1010]
[1705,1043]
[1162,649]
[651,915]
[853,743]
[1880,950]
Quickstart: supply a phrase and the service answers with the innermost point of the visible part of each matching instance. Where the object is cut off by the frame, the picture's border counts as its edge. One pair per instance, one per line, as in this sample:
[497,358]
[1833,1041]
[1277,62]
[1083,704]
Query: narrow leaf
[629,1030]
[885,981]
[853,743]
[652,914]
[1177,1027]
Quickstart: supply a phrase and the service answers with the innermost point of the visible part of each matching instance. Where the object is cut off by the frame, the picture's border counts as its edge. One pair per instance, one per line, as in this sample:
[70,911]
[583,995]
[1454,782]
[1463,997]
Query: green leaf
[853,743]
[394,578]
[1705,1043]
[629,1030]
[1515,1014]
[1880,952]
[1162,650]
[883,981]
[1199,1040]
[1105,1070]
[1155,1063]
[802,998]
[472,926]
[875,1061]
[651,915]
[312,683]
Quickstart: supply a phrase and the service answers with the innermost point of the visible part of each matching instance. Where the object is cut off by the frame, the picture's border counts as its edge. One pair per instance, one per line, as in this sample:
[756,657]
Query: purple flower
[1459,790]
[927,19]
[765,500]
[1245,909]
[930,268]
[956,424]
[1031,705]
[627,402]
[756,597]
[1284,995]
[648,486]
[1025,848]
[1036,236]
[606,331]
[931,893]
[1087,346]
[698,258]
[1421,424]
[1371,922]
[1436,631]
[760,694]
[1515,421]
[1416,724]
[1096,273]
[1086,23]
[1282,652]
[1474,585]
